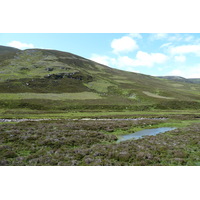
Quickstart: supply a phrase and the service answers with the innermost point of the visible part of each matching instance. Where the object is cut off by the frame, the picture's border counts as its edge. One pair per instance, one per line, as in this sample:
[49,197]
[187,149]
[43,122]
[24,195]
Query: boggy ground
[75,142]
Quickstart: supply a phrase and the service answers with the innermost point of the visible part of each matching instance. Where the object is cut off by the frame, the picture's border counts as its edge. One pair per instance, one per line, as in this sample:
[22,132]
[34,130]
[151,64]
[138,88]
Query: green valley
[82,107]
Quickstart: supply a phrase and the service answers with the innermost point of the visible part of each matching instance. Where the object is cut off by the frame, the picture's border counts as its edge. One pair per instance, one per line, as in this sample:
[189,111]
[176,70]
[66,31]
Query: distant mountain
[46,78]
[194,80]
[181,79]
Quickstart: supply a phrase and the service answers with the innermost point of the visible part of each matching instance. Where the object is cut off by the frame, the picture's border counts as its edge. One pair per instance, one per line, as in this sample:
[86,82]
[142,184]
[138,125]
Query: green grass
[99,86]
[55,114]
[175,123]
[51,96]
[8,123]
[156,95]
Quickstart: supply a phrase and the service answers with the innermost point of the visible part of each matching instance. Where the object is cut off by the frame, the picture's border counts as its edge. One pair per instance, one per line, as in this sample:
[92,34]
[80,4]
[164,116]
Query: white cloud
[172,37]
[197,40]
[166,45]
[189,38]
[125,61]
[158,36]
[181,37]
[146,59]
[184,49]
[142,59]
[187,72]
[122,62]
[20,45]
[105,60]
[124,44]
[180,58]
[135,35]
[176,72]
[175,38]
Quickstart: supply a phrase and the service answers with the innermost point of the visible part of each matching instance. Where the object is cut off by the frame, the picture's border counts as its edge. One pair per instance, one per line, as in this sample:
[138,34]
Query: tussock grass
[51,96]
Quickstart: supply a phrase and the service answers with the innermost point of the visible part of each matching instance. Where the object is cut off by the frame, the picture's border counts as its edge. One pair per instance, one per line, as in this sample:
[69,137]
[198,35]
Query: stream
[83,119]
[145,132]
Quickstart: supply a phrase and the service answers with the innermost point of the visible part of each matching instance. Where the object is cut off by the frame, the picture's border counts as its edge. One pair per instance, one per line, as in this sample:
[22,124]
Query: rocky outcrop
[72,75]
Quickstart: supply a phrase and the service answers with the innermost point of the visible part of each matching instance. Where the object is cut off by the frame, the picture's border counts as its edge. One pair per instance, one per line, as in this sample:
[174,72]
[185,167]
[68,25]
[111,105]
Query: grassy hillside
[5,50]
[49,79]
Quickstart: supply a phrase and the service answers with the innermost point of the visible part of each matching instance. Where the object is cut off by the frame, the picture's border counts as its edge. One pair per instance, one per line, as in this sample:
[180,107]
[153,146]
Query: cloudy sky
[157,54]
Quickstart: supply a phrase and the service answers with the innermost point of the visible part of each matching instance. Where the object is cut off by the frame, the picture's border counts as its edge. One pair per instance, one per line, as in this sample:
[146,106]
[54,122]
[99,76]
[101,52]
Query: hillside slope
[5,50]
[44,79]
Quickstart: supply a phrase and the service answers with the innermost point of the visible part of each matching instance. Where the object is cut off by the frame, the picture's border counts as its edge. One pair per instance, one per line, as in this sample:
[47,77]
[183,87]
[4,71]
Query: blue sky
[157,54]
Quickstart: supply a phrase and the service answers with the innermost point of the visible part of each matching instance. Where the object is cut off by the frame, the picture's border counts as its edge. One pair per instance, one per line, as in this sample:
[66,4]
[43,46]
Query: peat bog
[93,142]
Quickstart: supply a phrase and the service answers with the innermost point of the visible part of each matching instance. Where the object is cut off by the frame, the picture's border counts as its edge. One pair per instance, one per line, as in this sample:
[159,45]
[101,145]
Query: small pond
[145,132]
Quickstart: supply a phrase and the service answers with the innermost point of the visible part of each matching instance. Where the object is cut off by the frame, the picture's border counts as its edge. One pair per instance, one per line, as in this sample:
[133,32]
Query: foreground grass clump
[74,142]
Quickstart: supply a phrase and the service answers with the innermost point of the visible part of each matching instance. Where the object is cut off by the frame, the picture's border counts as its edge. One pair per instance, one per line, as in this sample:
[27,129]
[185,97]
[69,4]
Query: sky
[156,54]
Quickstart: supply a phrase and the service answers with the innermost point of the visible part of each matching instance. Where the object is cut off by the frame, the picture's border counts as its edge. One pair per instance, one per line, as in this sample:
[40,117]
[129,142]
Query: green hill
[5,50]
[49,79]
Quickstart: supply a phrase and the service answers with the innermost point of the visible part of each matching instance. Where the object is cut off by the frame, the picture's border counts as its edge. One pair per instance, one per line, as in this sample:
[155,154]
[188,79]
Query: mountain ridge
[181,79]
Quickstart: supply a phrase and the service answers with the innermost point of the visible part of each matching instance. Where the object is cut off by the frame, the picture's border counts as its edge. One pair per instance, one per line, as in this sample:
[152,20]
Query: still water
[145,132]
